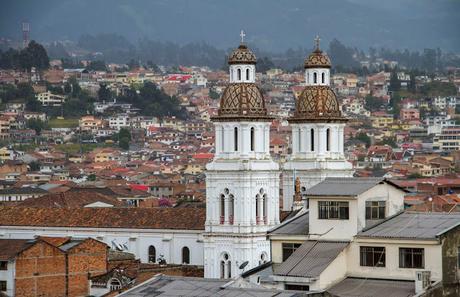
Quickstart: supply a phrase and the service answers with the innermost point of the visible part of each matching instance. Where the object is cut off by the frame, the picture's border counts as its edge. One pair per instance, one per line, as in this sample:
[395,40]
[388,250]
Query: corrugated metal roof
[170,286]
[343,186]
[295,226]
[361,287]
[311,258]
[413,225]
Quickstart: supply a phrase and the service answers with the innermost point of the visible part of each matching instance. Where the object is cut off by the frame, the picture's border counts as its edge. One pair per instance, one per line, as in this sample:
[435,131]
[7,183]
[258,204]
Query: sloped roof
[136,218]
[311,258]
[70,200]
[413,225]
[351,186]
[9,248]
[297,225]
[358,287]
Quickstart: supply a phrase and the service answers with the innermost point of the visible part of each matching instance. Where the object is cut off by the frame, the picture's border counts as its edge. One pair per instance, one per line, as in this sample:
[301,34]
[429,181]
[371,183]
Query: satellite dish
[244,264]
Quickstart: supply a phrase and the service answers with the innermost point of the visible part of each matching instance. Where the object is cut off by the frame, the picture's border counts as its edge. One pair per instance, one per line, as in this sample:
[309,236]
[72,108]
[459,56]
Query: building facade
[242,182]
[317,132]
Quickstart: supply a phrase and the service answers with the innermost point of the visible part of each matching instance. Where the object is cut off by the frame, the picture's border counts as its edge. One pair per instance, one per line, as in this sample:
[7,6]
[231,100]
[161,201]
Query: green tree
[34,55]
[36,124]
[96,65]
[104,93]
[364,138]
[213,94]
[395,84]
[91,177]
[372,103]
[124,138]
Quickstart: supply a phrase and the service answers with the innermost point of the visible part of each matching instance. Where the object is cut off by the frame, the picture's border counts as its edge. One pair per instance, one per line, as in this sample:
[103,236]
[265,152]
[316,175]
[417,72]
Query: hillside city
[123,178]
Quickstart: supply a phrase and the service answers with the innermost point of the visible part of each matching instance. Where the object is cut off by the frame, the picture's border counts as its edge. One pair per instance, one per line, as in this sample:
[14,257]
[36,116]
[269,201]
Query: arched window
[264,208]
[247,74]
[115,284]
[257,208]
[225,267]
[322,77]
[312,140]
[222,208]
[231,207]
[252,139]
[328,137]
[299,140]
[185,255]
[235,139]
[239,74]
[315,77]
[263,258]
[152,254]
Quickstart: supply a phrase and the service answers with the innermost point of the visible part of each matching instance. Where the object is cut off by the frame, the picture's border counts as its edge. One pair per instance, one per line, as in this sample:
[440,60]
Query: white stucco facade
[168,243]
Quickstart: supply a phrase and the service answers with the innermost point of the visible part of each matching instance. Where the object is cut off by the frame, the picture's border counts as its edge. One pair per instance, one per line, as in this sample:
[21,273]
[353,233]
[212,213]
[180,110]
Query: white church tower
[317,132]
[242,182]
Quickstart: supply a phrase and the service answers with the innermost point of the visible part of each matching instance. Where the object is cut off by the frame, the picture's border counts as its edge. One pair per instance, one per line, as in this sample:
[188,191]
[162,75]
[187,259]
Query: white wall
[309,76]
[167,242]
[433,259]
[8,276]
[233,72]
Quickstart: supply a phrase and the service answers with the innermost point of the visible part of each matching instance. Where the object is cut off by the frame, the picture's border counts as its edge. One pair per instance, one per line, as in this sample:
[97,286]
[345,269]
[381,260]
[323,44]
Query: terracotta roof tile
[139,218]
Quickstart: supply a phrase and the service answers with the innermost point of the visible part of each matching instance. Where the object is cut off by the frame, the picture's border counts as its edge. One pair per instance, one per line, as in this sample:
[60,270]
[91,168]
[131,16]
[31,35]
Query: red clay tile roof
[9,248]
[70,199]
[136,218]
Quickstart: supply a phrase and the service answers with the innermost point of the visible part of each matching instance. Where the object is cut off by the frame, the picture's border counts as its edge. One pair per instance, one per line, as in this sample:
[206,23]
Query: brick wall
[40,271]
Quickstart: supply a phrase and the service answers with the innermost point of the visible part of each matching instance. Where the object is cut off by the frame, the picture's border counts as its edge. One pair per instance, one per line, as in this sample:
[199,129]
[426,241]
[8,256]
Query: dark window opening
[296,287]
[328,137]
[247,74]
[152,254]
[185,255]
[315,77]
[252,139]
[2,286]
[372,256]
[288,249]
[322,77]
[3,265]
[333,210]
[375,210]
[236,139]
[411,258]
[239,74]
[312,140]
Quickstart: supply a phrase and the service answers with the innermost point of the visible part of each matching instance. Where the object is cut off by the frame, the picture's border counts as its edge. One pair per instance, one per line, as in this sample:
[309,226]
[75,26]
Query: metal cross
[317,40]
[242,35]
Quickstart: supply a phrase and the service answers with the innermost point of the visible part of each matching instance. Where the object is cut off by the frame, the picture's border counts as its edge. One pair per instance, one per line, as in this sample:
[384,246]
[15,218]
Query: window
[3,265]
[328,136]
[225,267]
[296,287]
[315,78]
[372,256]
[239,74]
[288,249]
[333,210]
[247,74]
[235,141]
[231,206]
[322,77]
[2,286]
[375,210]
[185,255]
[152,254]
[222,208]
[312,140]
[252,139]
[115,284]
[411,258]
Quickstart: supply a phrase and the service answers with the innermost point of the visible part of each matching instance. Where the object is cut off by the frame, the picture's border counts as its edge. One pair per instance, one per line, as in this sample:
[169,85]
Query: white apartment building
[50,99]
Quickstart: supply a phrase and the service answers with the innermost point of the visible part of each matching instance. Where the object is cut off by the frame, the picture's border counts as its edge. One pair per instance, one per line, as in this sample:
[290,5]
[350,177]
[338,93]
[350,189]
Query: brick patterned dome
[242,100]
[317,103]
[242,55]
[317,59]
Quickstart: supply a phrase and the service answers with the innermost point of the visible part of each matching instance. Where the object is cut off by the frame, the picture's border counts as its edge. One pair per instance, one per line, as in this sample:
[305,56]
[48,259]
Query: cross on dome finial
[242,35]
[317,40]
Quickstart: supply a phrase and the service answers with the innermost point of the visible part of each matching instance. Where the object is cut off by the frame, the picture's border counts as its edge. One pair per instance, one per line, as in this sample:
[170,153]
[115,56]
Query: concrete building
[50,99]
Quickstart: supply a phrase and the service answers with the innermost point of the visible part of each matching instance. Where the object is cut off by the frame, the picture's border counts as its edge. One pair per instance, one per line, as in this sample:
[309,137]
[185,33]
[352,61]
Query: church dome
[317,103]
[317,59]
[242,100]
[242,55]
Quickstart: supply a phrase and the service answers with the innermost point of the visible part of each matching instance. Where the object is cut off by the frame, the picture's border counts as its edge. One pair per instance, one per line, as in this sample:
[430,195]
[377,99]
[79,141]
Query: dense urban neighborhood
[136,178]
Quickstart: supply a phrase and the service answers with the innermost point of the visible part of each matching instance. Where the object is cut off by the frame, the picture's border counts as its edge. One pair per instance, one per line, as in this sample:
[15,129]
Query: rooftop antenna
[25,34]
[242,35]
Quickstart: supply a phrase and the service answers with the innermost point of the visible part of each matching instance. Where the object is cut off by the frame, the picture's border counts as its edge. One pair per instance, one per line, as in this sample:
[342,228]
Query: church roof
[242,55]
[111,217]
[242,101]
[317,103]
[317,59]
